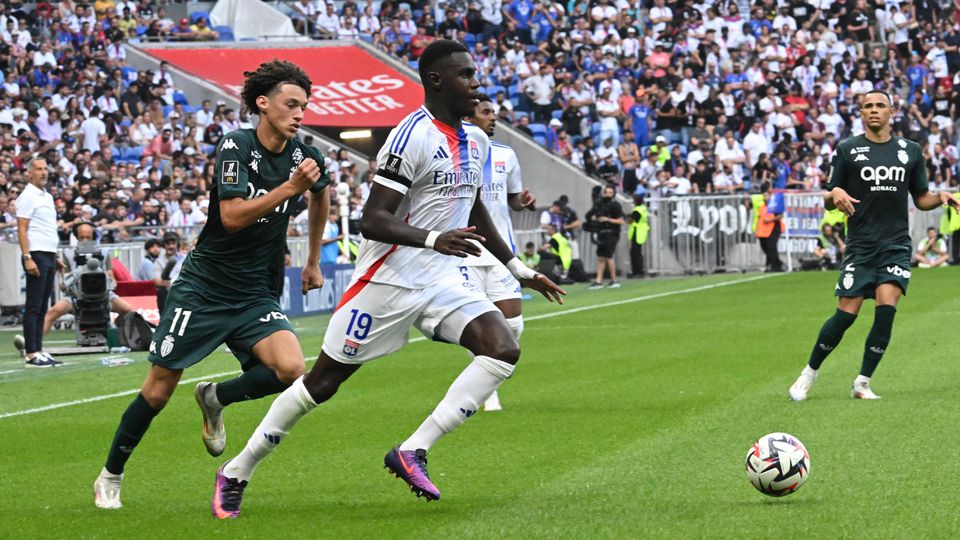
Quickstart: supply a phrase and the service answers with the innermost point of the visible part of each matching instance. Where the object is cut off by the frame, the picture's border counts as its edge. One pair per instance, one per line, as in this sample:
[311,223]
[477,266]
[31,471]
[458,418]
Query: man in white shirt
[660,15]
[756,143]
[90,131]
[37,235]
[609,112]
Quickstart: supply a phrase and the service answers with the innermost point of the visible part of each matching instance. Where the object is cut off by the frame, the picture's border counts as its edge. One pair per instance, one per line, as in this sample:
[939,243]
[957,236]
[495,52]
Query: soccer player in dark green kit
[228,290]
[871,177]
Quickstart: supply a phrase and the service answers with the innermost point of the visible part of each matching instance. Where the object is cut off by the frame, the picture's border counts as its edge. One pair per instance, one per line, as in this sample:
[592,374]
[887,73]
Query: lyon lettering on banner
[351,88]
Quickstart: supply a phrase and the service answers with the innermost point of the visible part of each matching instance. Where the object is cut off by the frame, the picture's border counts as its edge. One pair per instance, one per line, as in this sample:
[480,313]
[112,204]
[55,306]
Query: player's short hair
[881,92]
[266,81]
[438,51]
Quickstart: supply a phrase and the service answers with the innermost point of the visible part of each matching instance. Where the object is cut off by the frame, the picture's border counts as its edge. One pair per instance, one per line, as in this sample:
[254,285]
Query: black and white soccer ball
[778,464]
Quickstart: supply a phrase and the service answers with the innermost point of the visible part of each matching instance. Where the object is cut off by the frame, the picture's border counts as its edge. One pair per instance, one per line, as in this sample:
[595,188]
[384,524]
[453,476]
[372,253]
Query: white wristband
[520,270]
[431,239]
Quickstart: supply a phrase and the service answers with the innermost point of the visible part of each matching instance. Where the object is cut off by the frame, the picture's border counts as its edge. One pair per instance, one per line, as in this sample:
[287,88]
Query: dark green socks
[133,424]
[255,383]
[877,339]
[830,335]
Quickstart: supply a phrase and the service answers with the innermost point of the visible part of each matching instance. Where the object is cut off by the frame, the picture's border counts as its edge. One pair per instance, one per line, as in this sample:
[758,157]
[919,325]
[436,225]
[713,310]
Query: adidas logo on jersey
[861,157]
[441,154]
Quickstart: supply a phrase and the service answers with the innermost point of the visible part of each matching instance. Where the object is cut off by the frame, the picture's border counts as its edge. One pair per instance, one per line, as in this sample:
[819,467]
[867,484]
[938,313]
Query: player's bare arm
[480,219]
[380,223]
[318,207]
[525,200]
[238,213]
[935,199]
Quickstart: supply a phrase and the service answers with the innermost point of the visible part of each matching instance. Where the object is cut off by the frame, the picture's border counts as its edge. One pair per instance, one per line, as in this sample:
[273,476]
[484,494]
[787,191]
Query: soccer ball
[778,464]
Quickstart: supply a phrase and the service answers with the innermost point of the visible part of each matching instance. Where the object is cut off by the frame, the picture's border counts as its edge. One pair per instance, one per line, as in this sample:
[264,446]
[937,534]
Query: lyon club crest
[500,166]
[474,150]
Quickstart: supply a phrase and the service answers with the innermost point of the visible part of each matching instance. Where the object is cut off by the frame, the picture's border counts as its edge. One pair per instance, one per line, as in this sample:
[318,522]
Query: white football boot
[861,390]
[801,387]
[214,432]
[106,490]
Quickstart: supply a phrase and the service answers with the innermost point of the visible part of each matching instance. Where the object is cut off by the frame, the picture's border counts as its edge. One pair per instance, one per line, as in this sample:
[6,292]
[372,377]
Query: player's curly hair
[266,80]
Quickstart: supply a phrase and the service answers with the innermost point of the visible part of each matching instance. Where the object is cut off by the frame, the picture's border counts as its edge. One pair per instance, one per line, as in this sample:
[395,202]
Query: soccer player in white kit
[429,173]
[501,190]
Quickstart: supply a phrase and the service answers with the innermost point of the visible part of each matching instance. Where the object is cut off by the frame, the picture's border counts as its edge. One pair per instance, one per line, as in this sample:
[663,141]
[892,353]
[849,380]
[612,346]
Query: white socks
[471,388]
[809,371]
[861,380]
[289,407]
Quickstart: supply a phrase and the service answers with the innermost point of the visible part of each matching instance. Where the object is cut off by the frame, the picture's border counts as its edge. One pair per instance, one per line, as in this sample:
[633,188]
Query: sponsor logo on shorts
[167,346]
[273,316]
[897,271]
[350,347]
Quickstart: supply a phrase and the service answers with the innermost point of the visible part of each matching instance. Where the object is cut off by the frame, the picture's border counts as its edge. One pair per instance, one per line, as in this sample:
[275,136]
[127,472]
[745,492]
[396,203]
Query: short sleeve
[231,171]
[324,180]
[25,206]
[514,182]
[399,158]
[918,173]
[838,170]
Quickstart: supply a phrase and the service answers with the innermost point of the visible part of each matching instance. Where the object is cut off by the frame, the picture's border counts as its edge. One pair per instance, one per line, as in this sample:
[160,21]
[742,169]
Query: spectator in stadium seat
[305,14]
[202,32]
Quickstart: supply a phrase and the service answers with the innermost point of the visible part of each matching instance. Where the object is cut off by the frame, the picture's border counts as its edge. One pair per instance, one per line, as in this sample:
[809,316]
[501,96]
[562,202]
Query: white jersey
[501,178]
[438,169]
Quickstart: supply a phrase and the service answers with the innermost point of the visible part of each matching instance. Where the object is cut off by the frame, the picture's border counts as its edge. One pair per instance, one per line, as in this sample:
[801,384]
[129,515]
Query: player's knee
[506,350]
[157,396]
[289,373]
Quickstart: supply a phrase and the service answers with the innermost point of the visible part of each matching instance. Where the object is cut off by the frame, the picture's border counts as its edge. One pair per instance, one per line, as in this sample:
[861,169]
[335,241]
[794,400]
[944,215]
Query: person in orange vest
[769,226]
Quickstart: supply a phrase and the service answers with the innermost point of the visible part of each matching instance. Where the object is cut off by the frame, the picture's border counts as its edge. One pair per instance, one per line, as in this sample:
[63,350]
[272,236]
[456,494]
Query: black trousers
[769,247]
[39,290]
[636,259]
[955,247]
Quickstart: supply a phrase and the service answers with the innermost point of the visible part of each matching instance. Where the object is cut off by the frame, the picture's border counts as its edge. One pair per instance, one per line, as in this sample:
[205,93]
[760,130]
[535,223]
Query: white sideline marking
[414,340]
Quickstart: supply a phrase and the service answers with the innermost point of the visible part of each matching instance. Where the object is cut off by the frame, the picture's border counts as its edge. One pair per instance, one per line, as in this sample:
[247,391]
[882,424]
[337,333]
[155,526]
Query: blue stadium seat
[129,73]
[417,13]
[538,129]
[415,65]
[515,101]
[366,37]
[247,39]
[492,90]
[126,122]
[166,110]
[514,90]
[178,97]
[141,30]
[197,14]
[469,41]
[556,114]
[521,114]
[226,33]
[190,108]
[134,153]
[541,140]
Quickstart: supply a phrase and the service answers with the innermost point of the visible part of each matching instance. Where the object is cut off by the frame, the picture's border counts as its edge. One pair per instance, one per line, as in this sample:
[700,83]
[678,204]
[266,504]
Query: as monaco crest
[167,346]
[902,156]
[847,281]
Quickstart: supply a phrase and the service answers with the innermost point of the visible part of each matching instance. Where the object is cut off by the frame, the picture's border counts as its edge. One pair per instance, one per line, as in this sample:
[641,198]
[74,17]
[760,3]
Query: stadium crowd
[678,97]
[687,97]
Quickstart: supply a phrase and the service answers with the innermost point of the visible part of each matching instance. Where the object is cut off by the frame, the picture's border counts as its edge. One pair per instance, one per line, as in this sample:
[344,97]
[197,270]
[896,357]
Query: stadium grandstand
[126,101]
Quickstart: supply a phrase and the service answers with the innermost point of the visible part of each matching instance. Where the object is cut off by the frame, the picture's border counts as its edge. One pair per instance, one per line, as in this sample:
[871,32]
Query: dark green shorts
[192,327]
[861,272]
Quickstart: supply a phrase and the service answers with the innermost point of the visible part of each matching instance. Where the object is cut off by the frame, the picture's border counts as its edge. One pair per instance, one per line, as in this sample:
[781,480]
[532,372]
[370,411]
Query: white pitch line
[570,311]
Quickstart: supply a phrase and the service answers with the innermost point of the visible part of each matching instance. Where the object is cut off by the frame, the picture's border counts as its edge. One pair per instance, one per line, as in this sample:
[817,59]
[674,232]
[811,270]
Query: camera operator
[605,219]
[84,232]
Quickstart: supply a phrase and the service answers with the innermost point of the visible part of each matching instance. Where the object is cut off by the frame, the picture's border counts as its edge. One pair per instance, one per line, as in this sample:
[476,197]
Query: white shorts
[374,319]
[495,281]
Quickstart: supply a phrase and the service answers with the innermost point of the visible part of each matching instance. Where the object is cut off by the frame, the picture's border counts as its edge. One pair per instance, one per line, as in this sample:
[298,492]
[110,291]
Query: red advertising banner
[351,88]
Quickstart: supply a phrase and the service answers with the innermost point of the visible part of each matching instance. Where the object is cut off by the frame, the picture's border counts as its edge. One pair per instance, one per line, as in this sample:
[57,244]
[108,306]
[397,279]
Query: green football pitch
[629,416]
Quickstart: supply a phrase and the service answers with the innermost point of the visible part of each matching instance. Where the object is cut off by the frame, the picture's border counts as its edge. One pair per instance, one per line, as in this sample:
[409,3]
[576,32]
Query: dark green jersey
[880,176]
[248,263]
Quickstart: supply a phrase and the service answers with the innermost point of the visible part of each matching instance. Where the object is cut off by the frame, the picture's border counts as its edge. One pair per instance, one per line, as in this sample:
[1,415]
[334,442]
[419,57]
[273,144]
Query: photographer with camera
[603,221]
[74,262]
